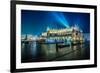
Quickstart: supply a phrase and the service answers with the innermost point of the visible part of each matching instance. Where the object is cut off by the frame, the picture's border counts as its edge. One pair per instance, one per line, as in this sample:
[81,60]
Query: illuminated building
[71,35]
[66,36]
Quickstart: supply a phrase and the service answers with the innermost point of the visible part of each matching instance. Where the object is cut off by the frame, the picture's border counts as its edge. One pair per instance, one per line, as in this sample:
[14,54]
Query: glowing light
[60,18]
[48,28]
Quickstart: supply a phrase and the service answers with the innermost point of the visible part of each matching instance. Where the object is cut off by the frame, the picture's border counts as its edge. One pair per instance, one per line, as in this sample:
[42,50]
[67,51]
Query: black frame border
[13,35]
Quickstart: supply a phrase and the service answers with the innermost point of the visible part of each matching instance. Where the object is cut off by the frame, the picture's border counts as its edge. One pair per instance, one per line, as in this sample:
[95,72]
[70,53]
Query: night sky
[36,22]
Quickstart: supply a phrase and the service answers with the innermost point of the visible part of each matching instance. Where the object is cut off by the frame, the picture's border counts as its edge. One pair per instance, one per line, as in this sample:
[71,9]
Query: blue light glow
[61,19]
[37,22]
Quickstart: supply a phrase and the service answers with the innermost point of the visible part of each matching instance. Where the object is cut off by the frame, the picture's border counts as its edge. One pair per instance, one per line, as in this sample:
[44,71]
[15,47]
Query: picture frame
[19,14]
